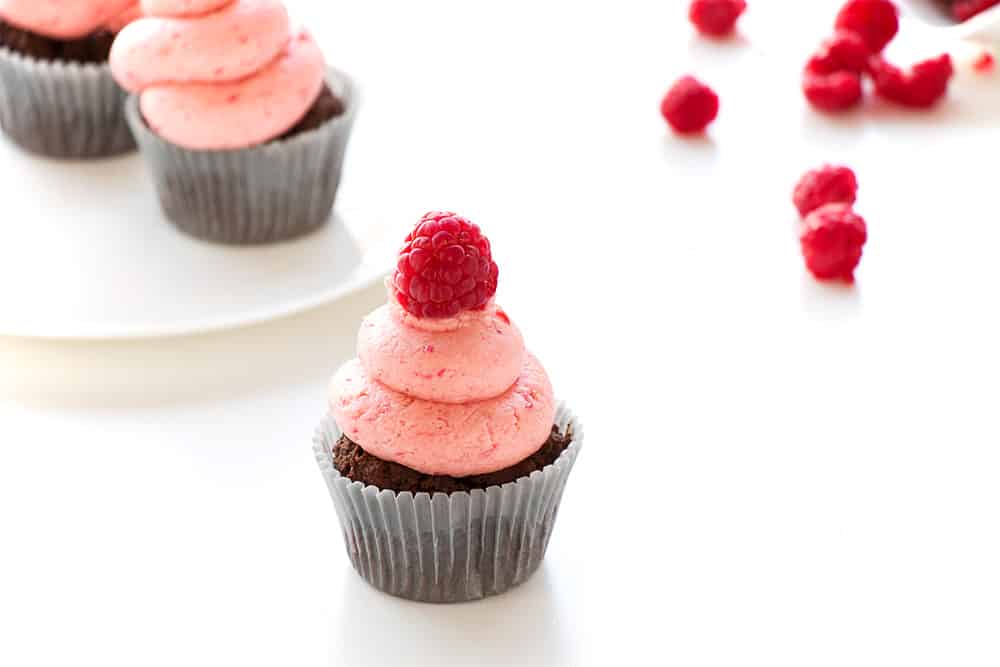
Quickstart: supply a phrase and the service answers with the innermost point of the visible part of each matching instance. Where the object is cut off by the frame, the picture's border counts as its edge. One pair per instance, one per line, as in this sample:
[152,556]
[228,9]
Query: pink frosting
[131,13]
[456,439]
[240,113]
[64,19]
[233,77]
[475,356]
[182,7]
[230,44]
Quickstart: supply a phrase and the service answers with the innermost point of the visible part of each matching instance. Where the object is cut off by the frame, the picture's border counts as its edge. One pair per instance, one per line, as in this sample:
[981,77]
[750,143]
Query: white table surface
[776,472]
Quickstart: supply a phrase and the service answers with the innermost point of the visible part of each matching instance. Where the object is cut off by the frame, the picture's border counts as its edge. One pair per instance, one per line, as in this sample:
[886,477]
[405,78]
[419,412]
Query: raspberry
[827,185]
[716,18]
[844,52]
[689,106]
[964,10]
[832,92]
[832,238]
[875,21]
[921,87]
[445,267]
[984,63]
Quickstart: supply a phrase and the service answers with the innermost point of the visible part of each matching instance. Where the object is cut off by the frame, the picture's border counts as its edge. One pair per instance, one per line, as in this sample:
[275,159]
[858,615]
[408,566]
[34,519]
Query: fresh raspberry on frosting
[444,268]
[875,21]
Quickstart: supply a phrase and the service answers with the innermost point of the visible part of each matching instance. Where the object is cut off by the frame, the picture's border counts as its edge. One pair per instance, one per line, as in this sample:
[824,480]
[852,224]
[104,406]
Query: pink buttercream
[131,13]
[473,357]
[182,7]
[240,113]
[445,438]
[230,78]
[63,19]
[229,44]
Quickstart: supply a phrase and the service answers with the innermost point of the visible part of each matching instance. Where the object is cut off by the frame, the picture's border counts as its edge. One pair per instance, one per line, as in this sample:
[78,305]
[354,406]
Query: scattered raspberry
[876,21]
[984,63]
[844,52]
[832,92]
[445,267]
[716,18]
[832,238]
[921,87]
[964,10]
[827,185]
[689,106]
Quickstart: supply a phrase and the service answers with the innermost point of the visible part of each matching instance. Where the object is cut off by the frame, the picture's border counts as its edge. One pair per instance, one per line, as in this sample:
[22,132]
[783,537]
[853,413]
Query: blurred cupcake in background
[242,124]
[57,95]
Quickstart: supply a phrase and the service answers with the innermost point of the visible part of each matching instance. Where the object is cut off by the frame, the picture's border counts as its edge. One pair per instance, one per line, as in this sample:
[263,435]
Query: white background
[776,472]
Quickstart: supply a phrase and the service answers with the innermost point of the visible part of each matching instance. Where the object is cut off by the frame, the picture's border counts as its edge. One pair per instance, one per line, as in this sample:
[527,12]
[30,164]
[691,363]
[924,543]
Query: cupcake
[445,450]
[57,95]
[242,124]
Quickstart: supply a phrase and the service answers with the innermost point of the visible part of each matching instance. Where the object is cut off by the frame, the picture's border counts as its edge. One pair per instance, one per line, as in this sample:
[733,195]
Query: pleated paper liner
[448,547]
[274,192]
[62,109]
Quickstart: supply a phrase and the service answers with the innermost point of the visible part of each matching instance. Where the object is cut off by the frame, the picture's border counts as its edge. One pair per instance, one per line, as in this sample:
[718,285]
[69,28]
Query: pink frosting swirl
[472,357]
[67,19]
[451,397]
[218,75]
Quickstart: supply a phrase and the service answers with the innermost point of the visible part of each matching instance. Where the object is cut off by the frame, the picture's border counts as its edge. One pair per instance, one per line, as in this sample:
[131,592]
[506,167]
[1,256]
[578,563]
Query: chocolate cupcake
[57,95]
[243,126]
[445,450]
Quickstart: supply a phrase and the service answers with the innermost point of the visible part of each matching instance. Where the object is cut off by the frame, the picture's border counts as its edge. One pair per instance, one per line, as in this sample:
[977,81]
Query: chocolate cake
[358,465]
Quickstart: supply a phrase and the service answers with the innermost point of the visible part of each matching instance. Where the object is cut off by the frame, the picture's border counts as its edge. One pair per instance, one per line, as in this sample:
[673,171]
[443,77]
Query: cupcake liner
[62,109]
[448,547]
[261,194]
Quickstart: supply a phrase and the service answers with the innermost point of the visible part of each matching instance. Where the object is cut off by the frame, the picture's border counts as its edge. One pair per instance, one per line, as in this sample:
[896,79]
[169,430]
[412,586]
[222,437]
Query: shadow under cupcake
[57,96]
[241,124]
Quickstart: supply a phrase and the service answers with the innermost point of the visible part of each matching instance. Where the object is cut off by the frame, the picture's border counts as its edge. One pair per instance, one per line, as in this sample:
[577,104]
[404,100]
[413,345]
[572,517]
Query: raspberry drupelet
[446,266]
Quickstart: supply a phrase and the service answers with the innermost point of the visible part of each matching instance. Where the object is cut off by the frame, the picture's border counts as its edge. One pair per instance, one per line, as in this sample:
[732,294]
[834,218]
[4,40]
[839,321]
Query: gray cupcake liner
[277,191]
[62,109]
[448,547]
